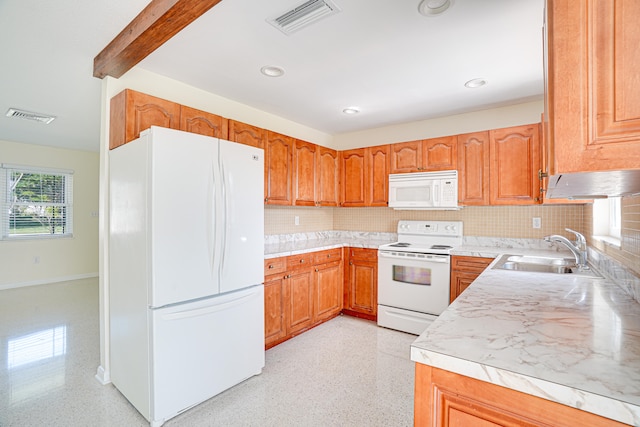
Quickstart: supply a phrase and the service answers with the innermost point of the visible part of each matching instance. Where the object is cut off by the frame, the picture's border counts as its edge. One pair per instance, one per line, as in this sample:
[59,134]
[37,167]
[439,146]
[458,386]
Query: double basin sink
[540,264]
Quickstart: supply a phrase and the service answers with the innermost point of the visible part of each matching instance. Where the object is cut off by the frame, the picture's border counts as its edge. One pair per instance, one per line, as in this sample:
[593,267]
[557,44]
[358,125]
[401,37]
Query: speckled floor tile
[345,372]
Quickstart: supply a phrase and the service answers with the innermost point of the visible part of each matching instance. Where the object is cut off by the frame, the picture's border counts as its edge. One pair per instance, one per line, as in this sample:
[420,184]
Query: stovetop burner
[429,237]
[441,247]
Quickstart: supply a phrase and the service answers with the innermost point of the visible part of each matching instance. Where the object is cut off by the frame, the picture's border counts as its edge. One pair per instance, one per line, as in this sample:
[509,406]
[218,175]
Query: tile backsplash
[492,221]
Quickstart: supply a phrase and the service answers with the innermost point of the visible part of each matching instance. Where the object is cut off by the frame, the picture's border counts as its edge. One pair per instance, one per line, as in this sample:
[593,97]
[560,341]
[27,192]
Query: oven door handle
[418,257]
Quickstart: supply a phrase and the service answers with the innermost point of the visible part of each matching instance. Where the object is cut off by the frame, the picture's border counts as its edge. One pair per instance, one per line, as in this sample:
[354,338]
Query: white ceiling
[381,56]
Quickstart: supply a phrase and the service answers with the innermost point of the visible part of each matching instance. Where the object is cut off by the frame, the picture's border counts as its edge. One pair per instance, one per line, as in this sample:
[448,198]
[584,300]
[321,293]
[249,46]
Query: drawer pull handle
[270,265]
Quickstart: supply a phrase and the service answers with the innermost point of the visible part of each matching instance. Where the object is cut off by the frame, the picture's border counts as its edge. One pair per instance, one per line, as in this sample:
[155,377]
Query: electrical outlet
[537,223]
[36,259]
[296,220]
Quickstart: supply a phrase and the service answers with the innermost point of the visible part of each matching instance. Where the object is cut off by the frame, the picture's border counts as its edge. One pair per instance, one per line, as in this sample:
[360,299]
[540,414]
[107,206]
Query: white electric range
[414,274]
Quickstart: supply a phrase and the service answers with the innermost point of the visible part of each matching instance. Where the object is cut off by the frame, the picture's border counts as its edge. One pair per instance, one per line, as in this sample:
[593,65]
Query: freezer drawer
[203,348]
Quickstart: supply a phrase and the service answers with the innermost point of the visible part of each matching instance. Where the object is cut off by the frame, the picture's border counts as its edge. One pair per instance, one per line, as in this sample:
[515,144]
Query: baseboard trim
[103,376]
[48,281]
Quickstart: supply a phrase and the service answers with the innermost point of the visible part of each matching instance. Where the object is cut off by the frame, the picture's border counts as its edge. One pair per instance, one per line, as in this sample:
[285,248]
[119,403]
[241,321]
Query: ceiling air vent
[305,14]
[28,115]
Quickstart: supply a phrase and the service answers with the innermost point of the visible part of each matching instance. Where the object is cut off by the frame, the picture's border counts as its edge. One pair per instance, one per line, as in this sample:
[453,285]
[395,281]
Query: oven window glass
[414,275]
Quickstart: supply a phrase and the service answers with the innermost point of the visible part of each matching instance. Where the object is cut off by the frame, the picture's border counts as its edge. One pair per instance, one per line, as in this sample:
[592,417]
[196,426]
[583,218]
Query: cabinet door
[593,86]
[132,112]
[515,162]
[196,121]
[305,173]
[406,157]
[299,311]
[473,168]
[328,295]
[327,182]
[440,153]
[459,282]
[274,310]
[362,285]
[352,177]
[447,399]
[377,174]
[243,133]
[278,169]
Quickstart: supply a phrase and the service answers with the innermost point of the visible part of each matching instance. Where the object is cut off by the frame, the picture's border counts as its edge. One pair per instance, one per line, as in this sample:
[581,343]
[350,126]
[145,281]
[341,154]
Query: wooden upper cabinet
[247,134]
[593,89]
[327,182]
[440,153]
[473,168]
[544,178]
[515,162]
[305,173]
[352,177]
[132,112]
[432,154]
[278,169]
[377,176]
[406,157]
[197,121]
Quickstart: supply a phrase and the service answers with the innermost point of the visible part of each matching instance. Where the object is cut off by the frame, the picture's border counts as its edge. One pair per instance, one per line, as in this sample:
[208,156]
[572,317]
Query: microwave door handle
[434,196]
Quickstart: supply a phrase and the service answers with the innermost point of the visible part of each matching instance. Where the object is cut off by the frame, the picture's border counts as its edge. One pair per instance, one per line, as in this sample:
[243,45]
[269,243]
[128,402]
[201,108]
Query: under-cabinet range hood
[594,185]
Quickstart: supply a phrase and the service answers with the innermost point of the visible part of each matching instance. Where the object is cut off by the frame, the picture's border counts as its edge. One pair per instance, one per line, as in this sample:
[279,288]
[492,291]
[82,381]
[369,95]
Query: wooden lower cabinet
[275,329]
[446,399]
[301,291]
[299,304]
[328,291]
[464,270]
[361,284]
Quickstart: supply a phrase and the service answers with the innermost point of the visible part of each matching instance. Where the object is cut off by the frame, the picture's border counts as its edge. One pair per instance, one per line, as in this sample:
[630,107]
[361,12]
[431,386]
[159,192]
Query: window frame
[607,220]
[5,201]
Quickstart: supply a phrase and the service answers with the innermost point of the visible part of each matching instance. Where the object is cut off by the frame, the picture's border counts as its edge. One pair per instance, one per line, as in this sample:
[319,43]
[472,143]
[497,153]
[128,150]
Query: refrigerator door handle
[211,220]
[197,312]
[225,217]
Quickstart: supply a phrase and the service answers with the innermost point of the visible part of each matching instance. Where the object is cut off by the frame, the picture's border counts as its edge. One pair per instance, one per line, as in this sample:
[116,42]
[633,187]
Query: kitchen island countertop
[574,340]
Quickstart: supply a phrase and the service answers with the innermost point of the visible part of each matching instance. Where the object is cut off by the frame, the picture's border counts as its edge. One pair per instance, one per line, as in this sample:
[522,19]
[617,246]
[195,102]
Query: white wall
[493,118]
[59,258]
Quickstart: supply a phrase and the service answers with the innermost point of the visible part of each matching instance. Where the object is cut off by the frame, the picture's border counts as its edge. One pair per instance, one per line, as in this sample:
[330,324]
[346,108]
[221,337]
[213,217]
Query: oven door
[413,281]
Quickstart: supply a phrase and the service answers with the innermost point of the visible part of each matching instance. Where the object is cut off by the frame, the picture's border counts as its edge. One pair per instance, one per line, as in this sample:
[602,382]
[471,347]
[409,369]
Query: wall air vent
[28,115]
[305,14]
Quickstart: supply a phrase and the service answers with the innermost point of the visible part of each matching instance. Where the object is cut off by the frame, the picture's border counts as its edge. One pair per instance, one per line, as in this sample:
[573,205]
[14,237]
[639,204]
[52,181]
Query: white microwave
[424,190]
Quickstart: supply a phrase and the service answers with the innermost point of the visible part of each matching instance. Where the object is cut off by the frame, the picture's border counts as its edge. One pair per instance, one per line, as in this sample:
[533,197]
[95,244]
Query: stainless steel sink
[538,264]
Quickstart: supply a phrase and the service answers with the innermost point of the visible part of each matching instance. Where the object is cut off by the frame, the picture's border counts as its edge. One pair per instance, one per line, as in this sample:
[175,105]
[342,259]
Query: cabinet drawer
[363,254]
[329,255]
[471,264]
[299,261]
[274,266]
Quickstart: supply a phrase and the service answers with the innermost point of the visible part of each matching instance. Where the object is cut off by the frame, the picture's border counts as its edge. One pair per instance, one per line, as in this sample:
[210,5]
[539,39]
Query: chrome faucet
[578,248]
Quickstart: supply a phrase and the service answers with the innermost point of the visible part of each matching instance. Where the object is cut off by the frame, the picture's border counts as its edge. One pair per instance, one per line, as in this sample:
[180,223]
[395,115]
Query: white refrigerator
[186,251]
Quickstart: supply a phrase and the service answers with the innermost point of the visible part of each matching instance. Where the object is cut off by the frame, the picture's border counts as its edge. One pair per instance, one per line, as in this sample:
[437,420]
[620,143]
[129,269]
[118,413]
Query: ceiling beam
[157,23]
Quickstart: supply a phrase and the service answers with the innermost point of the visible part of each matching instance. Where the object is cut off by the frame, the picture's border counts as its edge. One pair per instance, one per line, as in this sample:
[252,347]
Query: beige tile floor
[345,372]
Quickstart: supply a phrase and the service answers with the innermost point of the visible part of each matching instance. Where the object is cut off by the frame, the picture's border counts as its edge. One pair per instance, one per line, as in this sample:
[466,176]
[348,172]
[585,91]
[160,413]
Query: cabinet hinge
[542,174]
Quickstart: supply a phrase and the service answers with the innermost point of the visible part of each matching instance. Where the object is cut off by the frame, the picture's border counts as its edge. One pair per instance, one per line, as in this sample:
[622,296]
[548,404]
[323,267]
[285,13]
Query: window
[35,202]
[607,218]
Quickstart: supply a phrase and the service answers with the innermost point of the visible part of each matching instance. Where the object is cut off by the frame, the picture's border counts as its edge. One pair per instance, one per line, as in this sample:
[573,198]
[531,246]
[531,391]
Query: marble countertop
[569,339]
[298,244]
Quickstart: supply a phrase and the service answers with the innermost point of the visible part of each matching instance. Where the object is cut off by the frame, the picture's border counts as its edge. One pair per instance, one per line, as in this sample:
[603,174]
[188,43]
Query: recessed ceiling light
[474,83]
[351,110]
[272,71]
[434,7]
